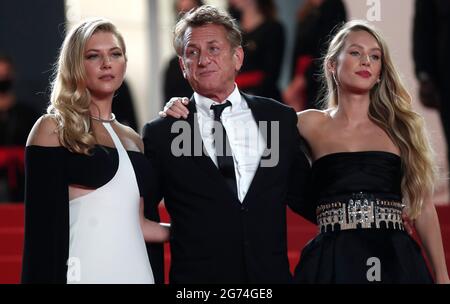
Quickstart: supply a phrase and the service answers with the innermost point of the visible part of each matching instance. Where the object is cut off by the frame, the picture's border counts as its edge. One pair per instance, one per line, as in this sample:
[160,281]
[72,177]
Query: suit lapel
[260,116]
[198,150]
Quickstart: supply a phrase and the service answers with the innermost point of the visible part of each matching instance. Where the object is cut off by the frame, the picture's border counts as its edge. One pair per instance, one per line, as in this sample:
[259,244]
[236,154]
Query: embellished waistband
[360,211]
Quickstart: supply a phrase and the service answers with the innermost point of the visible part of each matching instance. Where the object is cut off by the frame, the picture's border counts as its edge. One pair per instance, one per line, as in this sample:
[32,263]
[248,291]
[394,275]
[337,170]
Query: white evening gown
[106,240]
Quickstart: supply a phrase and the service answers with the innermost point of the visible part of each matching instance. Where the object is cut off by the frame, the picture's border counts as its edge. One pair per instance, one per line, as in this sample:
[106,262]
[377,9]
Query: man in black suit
[227,172]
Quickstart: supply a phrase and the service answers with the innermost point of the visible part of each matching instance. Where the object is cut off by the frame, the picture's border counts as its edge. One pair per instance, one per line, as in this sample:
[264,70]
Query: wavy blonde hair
[391,109]
[70,98]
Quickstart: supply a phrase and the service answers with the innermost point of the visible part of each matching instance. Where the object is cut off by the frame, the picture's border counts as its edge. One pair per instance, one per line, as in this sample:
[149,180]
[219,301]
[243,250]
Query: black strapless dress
[349,256]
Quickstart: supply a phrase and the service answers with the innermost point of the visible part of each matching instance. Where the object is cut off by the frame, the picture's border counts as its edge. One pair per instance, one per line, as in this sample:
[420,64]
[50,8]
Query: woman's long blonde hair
[70,98]
[391,109]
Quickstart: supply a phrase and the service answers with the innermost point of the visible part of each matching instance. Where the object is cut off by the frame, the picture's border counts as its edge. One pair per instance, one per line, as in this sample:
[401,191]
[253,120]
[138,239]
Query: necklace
[113,117]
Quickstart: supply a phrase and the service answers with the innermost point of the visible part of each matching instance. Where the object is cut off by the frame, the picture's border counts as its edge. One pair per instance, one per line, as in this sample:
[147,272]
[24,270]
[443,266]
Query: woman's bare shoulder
[44,132]
[310,120]
[313,114]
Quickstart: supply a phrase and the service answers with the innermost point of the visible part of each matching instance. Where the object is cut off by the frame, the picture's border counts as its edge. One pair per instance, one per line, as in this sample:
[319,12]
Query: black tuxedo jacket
[214,237]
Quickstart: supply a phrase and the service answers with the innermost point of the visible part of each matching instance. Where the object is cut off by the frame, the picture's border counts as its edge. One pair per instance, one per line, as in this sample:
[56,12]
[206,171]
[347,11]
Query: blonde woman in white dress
[87,176]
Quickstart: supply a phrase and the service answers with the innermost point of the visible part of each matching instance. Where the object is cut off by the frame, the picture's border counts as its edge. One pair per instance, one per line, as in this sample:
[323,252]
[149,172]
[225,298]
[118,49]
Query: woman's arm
[46,239]
[427,226]
[153,232]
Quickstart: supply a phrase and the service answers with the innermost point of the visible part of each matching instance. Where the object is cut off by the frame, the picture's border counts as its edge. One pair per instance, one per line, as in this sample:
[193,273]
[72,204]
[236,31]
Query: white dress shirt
[246,142]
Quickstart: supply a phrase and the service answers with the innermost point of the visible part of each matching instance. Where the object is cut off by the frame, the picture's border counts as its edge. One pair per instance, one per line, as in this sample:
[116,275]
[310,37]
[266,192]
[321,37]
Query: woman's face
[104,63]
[359,63]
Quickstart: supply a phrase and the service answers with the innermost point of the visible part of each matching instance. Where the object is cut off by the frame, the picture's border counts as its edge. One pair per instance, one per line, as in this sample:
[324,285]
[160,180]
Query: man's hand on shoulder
[176,107]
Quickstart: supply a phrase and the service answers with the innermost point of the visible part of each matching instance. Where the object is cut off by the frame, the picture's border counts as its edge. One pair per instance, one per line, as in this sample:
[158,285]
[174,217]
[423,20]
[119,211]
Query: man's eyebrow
[193,44]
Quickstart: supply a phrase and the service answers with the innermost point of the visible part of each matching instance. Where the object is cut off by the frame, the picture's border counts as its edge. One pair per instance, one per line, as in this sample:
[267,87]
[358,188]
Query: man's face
[208,62]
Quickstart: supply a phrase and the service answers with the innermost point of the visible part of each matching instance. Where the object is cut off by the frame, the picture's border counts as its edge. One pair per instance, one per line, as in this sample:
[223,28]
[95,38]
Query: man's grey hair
[203,15]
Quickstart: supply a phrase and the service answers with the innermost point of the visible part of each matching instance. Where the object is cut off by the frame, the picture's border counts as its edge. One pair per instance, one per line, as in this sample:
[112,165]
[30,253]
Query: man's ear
[182,66]
[238,57]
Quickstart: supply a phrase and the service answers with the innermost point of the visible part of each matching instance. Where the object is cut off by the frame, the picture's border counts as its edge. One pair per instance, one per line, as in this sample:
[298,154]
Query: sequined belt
[361,210]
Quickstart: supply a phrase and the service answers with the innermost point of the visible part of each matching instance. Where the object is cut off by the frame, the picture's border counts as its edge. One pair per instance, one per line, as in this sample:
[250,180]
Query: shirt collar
[204,103]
